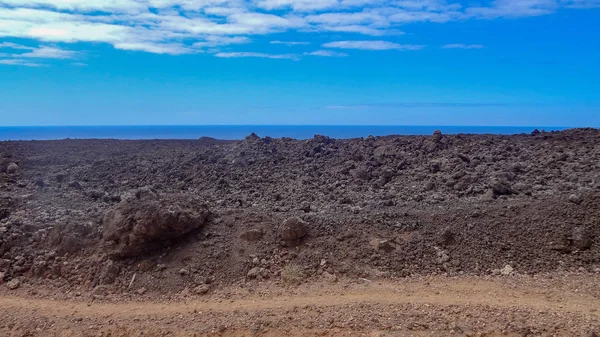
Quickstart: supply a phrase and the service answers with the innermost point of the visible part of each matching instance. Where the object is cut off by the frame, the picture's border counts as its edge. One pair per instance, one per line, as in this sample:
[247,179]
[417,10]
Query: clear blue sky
[407,62]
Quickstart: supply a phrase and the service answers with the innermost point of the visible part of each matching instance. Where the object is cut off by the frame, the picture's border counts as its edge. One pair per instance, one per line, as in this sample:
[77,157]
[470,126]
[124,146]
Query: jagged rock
[142,224]
[201,289]
[253,273]
[109,273]
[574,198]
[293,229]
[447,237]
[252,136]
[76,185]
[507,270]
[501,187]
[387,245]
[581,238]
[13,284]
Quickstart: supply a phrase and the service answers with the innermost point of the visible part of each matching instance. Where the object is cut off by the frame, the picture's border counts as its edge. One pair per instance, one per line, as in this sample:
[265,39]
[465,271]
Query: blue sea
[235,132]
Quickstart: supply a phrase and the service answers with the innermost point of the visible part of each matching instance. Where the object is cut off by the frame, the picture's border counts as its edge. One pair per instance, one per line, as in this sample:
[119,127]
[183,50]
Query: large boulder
[293,229]
[142,224]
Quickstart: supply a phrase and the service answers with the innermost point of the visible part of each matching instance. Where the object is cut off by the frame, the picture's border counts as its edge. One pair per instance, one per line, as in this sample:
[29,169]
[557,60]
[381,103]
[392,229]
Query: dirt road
[434,306]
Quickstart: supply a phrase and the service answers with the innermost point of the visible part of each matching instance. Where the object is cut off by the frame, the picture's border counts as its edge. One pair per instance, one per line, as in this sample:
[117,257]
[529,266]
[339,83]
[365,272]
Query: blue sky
[405,62]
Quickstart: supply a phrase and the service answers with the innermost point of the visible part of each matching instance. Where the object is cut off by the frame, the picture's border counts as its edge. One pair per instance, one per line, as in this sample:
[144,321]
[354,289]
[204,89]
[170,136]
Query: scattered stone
[581,238]
[76,185]
[329,277]
[101,290]
[252,235]
[501,187]
[448,237]
[184,272]
[12,168]
[40,183]
[574,198]
[201,289]
[109,274]
[387,245]
[293,229]
[13,284]
[507,270]
[60,177]
[305,206]
[141,291]
[253,273]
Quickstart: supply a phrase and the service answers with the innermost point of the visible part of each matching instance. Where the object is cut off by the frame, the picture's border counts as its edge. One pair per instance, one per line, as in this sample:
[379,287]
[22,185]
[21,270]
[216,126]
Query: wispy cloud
[290,43]
[419,105]
[18,62]
[259,55]
[371,45]
[463,46]
[22,55]
[45,52]
[325,53]
[216,41]
[10,45]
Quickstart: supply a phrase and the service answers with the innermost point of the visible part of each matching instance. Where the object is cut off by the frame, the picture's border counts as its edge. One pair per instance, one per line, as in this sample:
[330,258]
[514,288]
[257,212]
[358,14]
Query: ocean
[235,132]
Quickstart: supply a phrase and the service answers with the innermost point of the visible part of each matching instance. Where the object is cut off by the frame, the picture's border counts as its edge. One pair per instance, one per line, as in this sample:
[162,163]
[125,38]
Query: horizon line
[296,125]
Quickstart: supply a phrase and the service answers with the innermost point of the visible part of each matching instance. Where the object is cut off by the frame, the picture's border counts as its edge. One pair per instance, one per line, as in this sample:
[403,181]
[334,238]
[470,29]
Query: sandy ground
[565,305]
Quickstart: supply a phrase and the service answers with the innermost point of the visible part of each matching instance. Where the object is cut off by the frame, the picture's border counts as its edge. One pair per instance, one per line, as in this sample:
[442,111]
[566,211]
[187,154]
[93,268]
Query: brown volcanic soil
[166,220]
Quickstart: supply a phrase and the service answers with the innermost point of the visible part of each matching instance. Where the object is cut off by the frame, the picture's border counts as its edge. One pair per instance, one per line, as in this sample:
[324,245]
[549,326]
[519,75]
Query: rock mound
[141,224]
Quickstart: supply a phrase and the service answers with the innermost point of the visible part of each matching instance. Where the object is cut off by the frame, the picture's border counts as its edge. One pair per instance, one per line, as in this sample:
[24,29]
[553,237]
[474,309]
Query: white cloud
[361,30]
[463,46]
[298,5]
[290,43]
[371,45]
[11,45]
[45,52]
[216,40]
[177,27]
[22,55]
[260,55]
[18,62]
[156,48]
[325,53]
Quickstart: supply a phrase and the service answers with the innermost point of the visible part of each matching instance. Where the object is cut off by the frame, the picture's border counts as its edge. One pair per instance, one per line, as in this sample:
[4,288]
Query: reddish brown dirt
[435,306]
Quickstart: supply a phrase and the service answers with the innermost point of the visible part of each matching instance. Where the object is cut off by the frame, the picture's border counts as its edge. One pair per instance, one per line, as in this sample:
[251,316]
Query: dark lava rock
[448,237]
[501,187]
[581,238]
[293,229]
[137,226]
[12,168]
[75,184]
[437,136]
[109,273]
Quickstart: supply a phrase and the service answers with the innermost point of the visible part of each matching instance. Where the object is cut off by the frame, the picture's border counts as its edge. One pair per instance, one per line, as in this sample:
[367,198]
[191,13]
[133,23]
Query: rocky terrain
[155,219]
